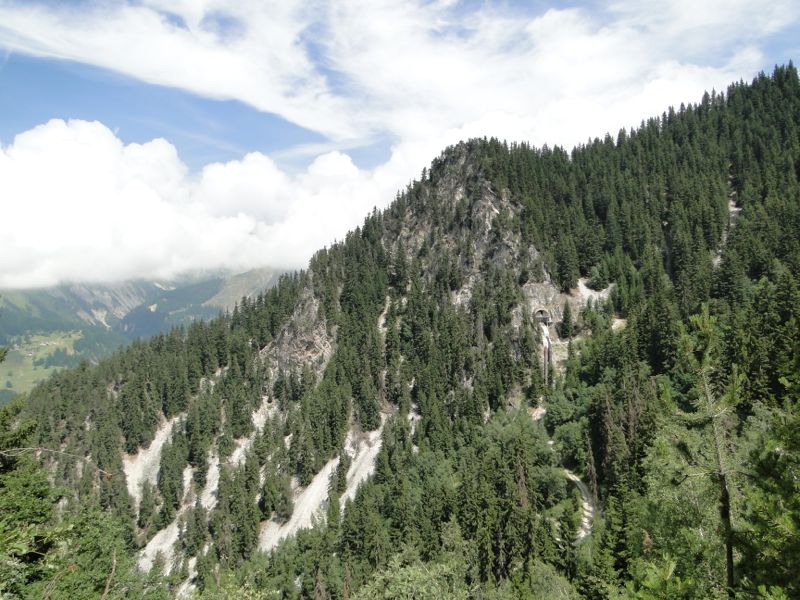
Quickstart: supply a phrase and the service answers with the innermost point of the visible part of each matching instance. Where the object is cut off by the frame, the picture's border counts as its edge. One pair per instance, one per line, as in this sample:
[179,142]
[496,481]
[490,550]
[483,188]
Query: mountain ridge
[427,325]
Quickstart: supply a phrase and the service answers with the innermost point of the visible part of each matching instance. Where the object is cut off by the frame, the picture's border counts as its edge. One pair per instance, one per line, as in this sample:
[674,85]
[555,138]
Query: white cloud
[406,68]
[422,74]
[171,43]
[86,207]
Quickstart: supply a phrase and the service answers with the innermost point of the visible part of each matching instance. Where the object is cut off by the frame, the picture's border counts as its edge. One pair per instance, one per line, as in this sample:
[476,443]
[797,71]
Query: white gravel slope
[308,504]
[143,466]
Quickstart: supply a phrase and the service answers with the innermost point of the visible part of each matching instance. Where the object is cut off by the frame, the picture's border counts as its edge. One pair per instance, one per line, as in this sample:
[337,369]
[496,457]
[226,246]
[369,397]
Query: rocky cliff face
[306,340]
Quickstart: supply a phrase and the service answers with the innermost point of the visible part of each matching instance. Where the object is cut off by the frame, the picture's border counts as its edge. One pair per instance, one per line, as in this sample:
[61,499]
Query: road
[587,503]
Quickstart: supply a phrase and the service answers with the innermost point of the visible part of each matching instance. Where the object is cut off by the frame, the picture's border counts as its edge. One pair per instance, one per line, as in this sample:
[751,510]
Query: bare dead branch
[110,575]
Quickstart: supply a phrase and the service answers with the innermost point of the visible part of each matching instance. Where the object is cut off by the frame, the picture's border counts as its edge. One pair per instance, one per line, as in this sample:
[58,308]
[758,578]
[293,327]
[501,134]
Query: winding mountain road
[587,518]
[587,503]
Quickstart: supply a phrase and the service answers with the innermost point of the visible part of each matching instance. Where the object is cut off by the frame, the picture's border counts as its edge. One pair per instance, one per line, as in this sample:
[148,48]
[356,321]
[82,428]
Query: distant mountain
[236,287]
[70,306]
[197,300]
[56,327]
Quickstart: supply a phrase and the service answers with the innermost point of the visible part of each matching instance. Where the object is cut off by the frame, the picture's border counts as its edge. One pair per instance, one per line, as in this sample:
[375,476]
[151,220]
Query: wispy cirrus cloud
[256,58]
[354,68]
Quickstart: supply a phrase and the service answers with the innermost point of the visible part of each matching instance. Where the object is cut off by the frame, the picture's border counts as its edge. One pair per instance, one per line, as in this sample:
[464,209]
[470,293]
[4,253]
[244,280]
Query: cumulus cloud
[83,205]
[79,205]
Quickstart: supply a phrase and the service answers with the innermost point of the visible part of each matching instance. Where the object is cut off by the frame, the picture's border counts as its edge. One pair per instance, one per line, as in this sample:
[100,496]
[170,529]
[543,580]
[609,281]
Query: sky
[154,138]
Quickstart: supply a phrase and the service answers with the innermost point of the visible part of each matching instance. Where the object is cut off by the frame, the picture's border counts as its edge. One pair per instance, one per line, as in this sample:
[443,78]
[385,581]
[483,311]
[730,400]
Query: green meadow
[24,368]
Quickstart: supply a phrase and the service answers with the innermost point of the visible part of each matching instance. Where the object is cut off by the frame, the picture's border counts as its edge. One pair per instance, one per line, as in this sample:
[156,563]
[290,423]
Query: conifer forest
[538,374]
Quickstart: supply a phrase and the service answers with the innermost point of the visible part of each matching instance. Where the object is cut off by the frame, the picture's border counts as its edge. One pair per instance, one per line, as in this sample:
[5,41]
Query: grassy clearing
[18,373]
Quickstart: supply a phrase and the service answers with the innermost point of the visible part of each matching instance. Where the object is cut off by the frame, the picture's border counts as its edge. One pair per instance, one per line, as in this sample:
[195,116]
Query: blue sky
[34,90]
[254,132]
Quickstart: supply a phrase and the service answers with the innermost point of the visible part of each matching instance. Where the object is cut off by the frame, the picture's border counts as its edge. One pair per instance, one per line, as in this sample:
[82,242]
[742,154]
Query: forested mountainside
[52,328]
[424,351]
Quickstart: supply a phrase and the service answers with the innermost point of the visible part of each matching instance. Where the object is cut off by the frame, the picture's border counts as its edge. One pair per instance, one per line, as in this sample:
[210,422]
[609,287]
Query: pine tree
[566,328]
[715,411]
